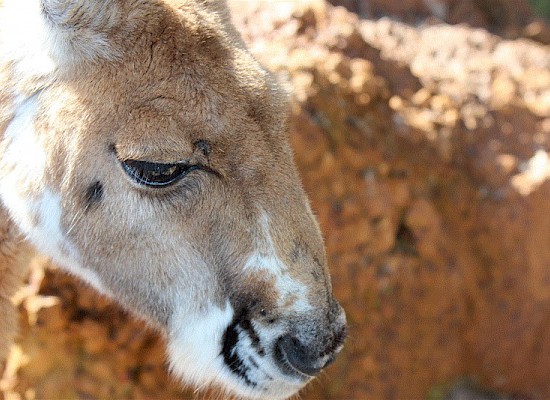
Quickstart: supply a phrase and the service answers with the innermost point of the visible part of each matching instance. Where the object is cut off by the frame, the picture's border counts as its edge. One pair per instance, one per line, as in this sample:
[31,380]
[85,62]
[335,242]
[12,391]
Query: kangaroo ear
[82,29]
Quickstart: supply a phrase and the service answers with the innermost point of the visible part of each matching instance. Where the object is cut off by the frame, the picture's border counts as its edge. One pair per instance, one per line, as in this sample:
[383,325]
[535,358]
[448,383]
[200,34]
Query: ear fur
[82,29]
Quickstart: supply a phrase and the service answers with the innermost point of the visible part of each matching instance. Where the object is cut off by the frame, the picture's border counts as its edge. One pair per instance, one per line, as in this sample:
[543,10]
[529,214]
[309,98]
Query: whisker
[77,217]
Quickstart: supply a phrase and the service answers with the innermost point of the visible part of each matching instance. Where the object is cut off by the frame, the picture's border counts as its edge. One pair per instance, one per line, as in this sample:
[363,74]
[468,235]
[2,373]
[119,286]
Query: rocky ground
[424,147]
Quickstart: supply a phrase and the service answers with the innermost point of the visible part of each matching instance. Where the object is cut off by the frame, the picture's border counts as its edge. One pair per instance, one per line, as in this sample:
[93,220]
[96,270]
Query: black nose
[295,357]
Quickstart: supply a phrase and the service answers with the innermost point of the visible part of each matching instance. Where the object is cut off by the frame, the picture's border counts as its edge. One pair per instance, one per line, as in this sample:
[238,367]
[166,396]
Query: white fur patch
[265,259]
[50,240]
[288,288]
[39,46]
[23,165]
[195,343]
[29,38]
[35,208]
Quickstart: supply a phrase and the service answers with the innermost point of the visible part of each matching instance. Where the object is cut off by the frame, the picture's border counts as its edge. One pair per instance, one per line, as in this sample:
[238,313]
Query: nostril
[295,358]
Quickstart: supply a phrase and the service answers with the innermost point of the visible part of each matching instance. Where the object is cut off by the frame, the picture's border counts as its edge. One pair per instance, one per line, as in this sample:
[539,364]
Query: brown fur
[165,82]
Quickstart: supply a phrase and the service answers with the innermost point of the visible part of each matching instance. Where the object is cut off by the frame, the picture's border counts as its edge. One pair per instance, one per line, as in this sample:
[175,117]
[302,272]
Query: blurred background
[422,133]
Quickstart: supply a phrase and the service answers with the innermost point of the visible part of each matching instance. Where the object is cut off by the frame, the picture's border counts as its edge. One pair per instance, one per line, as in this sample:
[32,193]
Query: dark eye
[156,174]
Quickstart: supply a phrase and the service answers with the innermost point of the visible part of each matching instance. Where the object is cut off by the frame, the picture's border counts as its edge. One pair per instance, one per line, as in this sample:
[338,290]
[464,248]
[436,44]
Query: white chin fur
[194,351]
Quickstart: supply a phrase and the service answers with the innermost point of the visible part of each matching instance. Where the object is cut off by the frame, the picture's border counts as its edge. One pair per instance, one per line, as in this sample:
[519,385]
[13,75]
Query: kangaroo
[145,151]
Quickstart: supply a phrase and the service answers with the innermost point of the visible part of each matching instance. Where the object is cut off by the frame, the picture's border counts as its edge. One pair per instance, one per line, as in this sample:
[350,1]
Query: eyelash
[156,175]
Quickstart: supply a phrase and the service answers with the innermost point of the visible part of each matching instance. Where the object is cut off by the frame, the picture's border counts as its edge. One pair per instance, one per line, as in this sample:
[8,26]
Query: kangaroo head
[145,151]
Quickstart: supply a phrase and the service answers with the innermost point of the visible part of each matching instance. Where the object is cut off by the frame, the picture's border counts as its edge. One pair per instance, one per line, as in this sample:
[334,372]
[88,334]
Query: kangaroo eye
[156,174]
